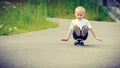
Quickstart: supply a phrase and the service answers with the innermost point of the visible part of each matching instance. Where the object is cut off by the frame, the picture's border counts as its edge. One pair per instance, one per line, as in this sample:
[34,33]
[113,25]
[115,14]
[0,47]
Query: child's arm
[93,32]
[68,36]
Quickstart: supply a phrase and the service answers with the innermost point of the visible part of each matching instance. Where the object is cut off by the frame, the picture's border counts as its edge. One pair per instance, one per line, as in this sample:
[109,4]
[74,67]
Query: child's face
[79,15]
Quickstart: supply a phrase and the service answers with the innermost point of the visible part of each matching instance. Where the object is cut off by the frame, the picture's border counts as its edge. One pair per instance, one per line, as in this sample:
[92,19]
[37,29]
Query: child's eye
[79,14]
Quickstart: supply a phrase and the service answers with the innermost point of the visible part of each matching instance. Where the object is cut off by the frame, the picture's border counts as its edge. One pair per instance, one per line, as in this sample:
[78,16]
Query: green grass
[65,9]
[37,26]
[21,19]
[100,15]
[30,15]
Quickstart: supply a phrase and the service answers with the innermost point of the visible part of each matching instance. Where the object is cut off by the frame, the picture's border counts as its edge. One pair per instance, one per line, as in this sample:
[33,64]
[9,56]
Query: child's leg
[84,30]
[77,30]
[83,33]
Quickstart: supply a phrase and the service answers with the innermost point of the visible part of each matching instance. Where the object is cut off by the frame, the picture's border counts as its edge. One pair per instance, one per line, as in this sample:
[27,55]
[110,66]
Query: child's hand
[64,39]
[98,39]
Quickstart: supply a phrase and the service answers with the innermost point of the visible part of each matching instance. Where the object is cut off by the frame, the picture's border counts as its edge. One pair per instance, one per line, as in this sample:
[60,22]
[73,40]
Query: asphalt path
[43,49]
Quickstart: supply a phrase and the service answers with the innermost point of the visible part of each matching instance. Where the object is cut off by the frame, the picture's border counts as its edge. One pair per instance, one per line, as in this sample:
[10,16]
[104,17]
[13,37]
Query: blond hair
[80,9]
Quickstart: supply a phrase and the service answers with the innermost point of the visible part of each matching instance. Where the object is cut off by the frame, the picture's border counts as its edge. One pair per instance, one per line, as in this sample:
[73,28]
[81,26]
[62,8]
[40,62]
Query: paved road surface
[43,49]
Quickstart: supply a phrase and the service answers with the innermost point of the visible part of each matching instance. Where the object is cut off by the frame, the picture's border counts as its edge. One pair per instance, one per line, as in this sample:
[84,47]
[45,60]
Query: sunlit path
[43,49]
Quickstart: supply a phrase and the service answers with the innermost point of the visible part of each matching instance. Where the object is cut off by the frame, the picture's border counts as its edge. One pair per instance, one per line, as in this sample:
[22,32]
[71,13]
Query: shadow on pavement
[89,45]
[4,63]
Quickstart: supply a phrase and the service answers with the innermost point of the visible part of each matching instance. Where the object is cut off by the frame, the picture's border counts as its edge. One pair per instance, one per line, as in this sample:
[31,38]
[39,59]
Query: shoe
[81,43]
[78,42]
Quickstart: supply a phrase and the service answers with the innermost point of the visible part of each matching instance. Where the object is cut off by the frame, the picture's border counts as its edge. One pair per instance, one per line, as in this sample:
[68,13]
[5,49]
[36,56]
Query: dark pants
[80,37]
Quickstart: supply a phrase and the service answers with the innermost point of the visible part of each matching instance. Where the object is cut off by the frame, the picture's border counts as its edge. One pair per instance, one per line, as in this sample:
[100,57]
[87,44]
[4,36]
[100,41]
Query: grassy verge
[30,15]
[21,18]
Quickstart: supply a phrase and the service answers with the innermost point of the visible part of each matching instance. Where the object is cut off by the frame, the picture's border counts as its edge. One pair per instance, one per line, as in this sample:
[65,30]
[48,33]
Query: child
[79,27]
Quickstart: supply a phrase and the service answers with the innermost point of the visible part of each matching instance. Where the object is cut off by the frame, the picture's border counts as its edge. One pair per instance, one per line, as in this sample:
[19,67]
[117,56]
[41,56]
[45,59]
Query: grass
[65,9]
[30,15]
[37,26]
[24,18]
[100,15]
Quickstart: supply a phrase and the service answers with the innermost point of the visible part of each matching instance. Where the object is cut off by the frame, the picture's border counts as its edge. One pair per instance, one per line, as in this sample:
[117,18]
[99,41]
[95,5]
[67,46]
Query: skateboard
[79,42]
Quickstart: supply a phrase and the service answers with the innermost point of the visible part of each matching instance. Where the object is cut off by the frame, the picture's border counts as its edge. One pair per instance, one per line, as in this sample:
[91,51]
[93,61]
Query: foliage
[30,15]
[65,9]
[20,18]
